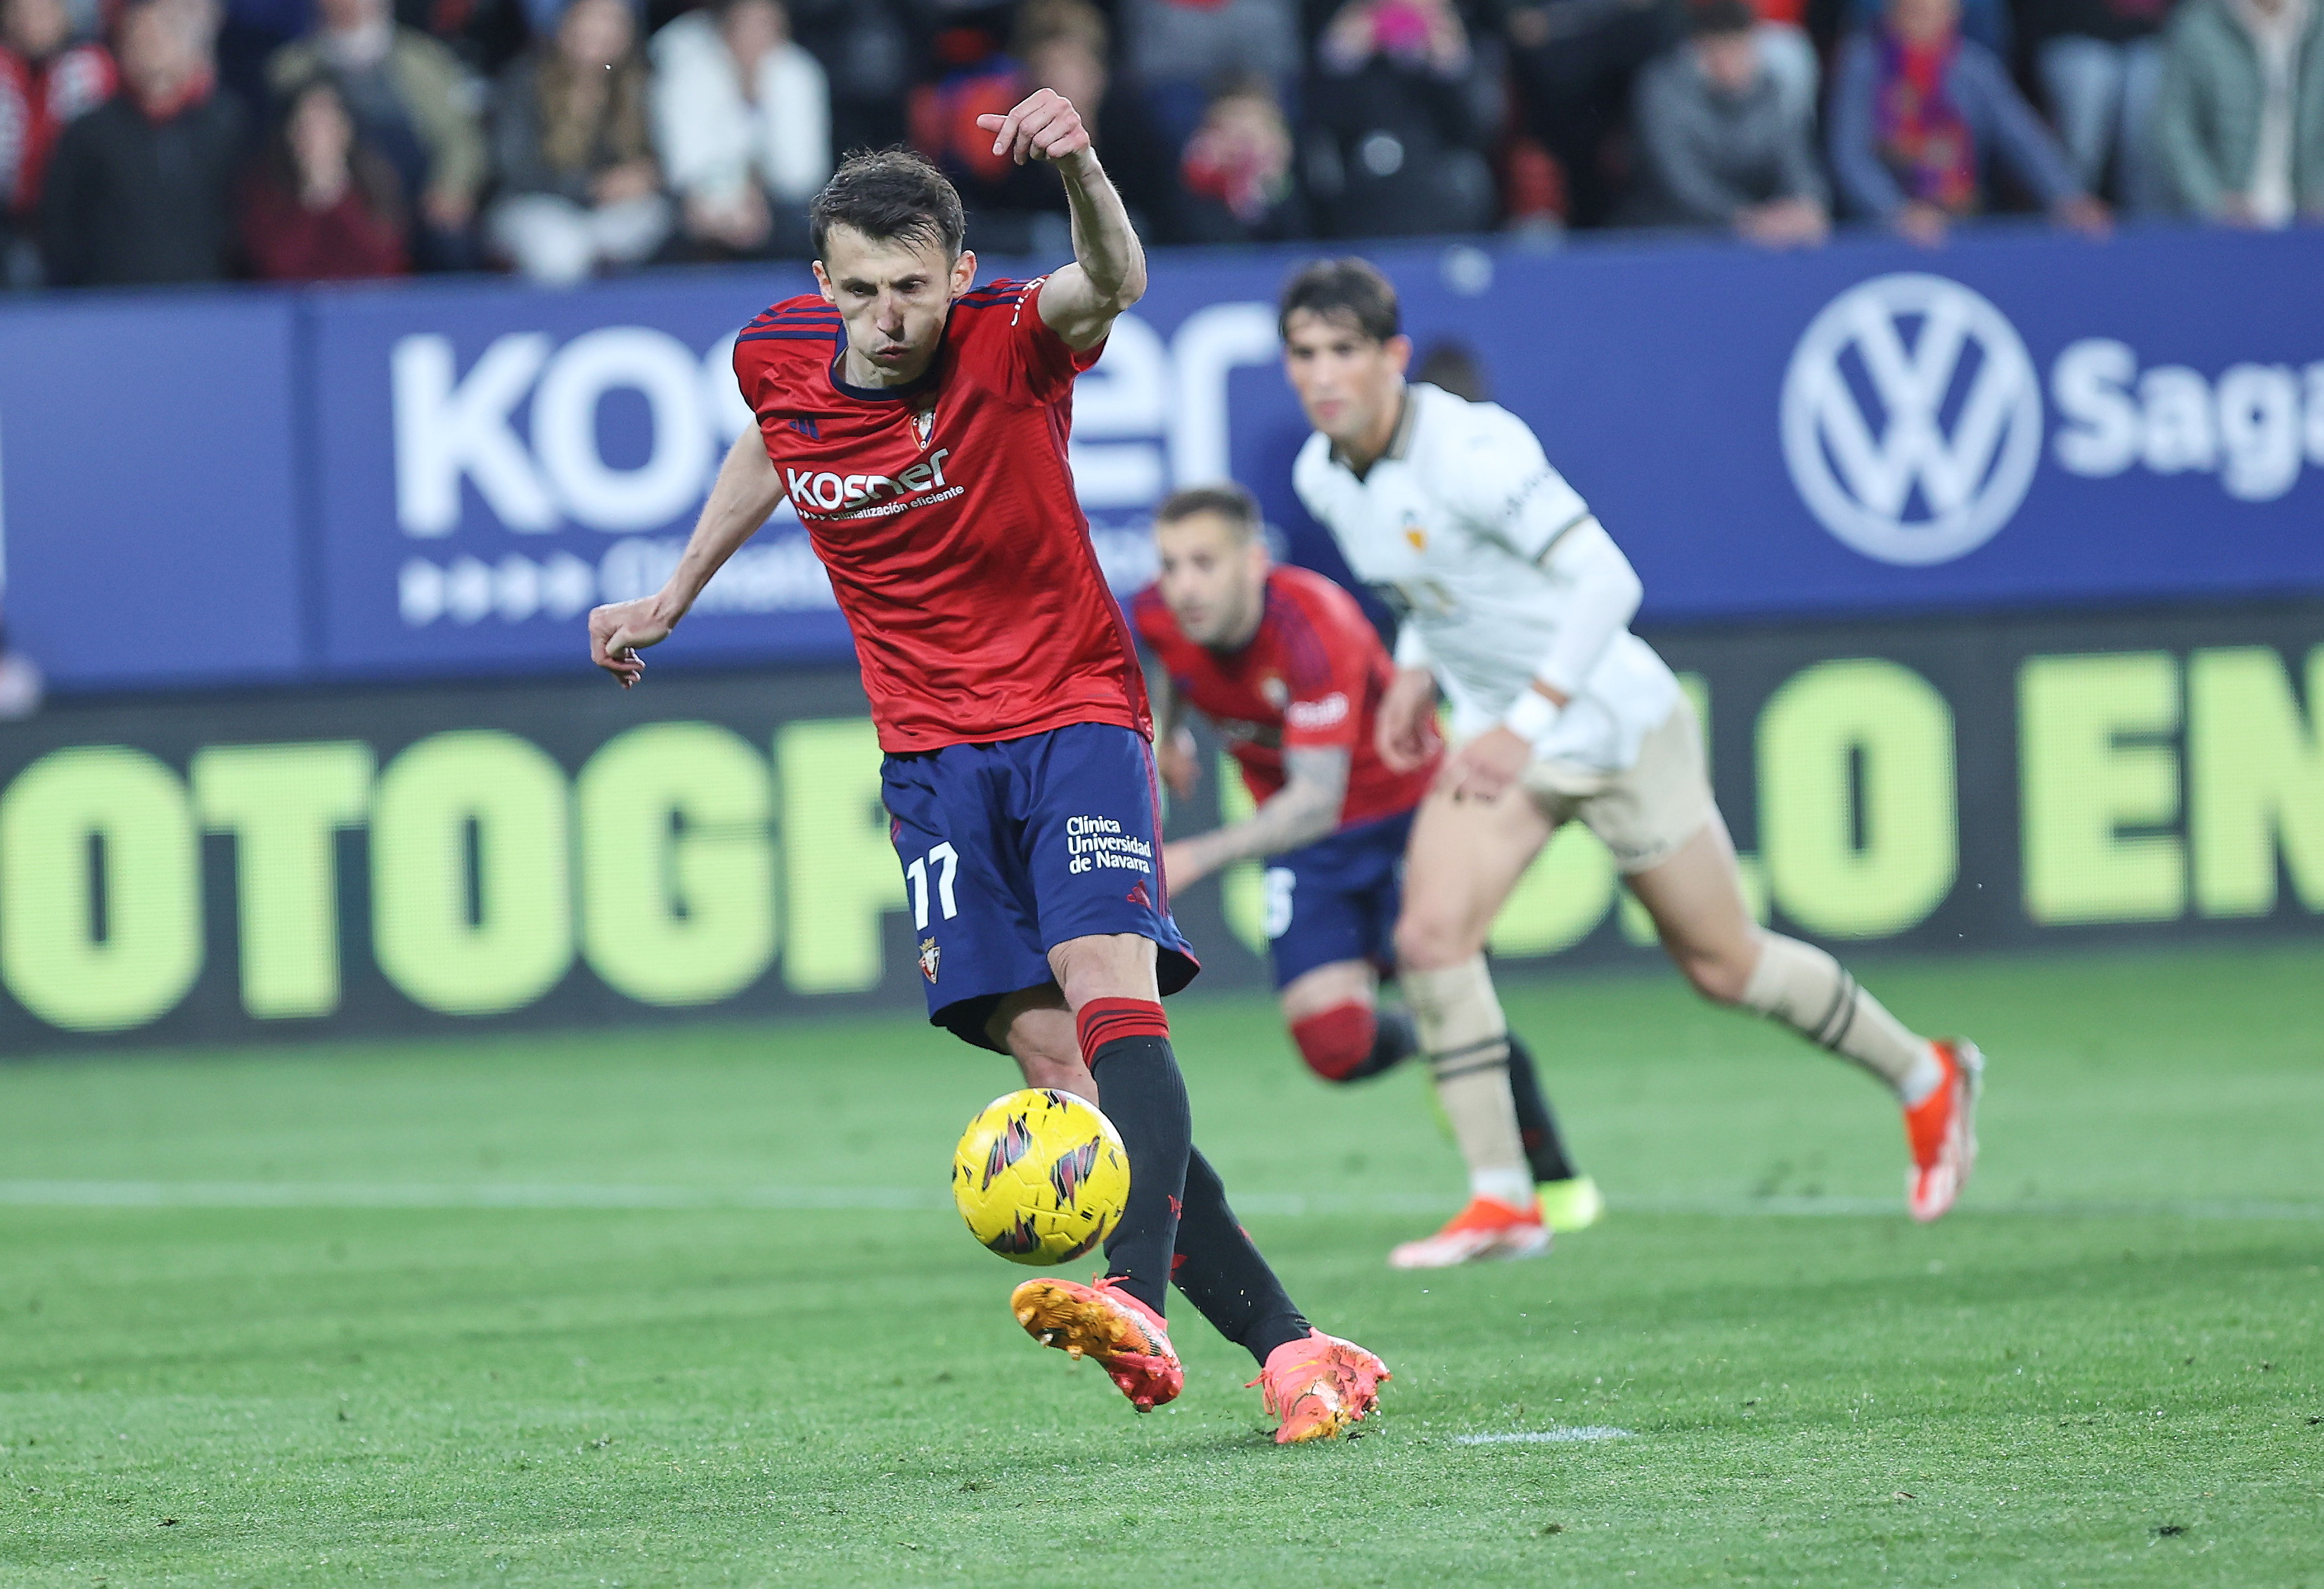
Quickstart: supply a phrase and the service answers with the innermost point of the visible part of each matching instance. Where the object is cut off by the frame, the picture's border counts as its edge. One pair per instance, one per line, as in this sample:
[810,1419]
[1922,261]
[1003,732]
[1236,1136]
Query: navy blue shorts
[1011,848]
[1337,899]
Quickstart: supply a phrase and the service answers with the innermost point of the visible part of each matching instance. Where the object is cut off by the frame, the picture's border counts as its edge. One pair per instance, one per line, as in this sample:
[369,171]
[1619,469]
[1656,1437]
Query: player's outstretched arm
[1107,275]
[748,489]
[1307,807]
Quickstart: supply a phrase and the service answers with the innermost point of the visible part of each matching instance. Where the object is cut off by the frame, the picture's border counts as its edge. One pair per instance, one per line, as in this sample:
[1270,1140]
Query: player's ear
[1398,348]
[963,271]
[823,284]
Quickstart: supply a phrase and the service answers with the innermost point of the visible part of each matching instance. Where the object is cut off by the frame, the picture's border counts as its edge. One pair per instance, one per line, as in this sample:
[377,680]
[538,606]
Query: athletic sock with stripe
[1126,1043]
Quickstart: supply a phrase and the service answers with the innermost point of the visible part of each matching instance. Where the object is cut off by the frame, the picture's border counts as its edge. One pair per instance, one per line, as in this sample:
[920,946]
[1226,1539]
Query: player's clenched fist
[1045,126]
[1404,732]
[617,631]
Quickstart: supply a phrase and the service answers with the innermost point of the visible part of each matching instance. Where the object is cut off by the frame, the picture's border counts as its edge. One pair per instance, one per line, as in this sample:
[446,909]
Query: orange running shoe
[1484,1229]
[1128,1338]
[1319,1387]
[1942,1130]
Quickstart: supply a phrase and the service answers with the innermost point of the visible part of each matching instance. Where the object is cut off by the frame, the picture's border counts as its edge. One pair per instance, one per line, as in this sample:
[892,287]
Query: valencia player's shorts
[1013,847]
[1337,899]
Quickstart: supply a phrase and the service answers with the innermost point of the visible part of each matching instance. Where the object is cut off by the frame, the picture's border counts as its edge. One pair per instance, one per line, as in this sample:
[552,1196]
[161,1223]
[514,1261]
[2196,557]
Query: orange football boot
[1942,1130]
[1127,1339]
[1484,1229]
[1320,1387]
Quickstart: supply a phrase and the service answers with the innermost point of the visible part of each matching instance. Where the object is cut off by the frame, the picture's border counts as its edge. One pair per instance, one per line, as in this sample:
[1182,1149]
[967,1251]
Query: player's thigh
[1329,987]
[975,937]
[1088,841]
[1696,899]
[1464,857]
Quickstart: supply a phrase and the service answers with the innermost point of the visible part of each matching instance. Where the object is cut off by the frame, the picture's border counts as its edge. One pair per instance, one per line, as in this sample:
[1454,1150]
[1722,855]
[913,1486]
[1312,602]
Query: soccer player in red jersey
[917,423]
[1290,673]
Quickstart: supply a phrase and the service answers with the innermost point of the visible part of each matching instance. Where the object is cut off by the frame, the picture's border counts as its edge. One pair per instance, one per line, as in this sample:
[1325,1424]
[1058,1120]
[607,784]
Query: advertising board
[545,852]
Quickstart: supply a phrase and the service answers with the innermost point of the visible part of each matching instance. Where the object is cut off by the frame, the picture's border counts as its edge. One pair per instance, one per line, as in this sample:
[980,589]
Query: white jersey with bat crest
[1453,526]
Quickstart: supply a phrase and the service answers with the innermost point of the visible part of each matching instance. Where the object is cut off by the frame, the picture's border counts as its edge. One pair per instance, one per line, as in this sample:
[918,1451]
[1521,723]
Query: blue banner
[2016,421]
[149,489]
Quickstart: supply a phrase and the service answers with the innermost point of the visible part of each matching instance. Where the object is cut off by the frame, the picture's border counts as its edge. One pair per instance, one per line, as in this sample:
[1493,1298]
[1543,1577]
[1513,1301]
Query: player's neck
[1374,444]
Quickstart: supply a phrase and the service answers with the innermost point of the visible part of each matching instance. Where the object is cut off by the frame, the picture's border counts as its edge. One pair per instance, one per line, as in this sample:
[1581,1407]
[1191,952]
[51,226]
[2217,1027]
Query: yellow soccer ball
[1040,1176]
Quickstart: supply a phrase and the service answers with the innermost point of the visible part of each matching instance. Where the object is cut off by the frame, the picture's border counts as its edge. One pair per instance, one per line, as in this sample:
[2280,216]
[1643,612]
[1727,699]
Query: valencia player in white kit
[1516,604]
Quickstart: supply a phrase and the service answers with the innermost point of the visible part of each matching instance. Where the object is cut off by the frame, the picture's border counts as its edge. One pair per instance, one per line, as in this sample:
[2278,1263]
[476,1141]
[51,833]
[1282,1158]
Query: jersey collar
[1399,440]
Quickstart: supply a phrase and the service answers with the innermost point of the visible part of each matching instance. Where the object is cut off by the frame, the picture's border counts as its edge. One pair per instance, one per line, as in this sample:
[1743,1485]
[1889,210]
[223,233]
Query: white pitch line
[564,1196]
[1547,1437]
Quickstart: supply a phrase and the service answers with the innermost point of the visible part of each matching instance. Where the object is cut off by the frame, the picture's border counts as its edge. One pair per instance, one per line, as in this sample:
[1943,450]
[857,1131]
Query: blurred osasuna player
[1290,673]
[1516,602]
[917,423]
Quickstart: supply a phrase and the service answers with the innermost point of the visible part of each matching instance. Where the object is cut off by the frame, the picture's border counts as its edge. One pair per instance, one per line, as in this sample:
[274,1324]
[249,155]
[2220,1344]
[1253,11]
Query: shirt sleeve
[1325,674]
[1495,477]
[1027,361]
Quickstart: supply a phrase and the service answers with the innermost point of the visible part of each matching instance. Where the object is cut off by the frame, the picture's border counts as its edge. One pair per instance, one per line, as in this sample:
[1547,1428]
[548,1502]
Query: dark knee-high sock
[1536,1126]
[1126,1043]
[1220,1268]
[1394,1040]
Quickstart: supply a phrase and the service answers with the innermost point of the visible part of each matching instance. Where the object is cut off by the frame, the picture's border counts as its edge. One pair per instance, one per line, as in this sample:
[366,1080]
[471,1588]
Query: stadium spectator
[742,124]
[1988,22]
[1056,44]
[140,189]
[321,206]
[1917,111]
[866,54]
[1576,64]
[1177,50]
[579,188]
[2239,119]
[1724,141]
[46,79]
[1237,177]
[485,34]
[2100,64]
[414,103]
[1393,97]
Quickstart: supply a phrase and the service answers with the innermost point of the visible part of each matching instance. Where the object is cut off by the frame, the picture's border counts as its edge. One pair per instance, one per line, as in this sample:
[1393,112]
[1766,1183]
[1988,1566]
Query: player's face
[1347,382]
[894,296]
[1211,579]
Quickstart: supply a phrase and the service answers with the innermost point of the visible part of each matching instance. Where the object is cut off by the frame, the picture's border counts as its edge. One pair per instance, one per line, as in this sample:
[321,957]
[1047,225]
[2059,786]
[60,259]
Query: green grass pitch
[553,1310]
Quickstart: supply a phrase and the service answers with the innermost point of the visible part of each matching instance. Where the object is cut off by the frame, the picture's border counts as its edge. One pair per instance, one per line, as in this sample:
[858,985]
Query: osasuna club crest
[929,954]
[924,423]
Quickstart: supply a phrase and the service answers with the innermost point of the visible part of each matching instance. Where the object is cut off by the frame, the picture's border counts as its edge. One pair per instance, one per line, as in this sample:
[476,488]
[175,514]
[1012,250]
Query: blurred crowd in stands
[150,141]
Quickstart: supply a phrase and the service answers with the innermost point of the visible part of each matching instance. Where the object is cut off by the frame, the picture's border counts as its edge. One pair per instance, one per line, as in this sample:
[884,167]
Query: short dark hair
[1343,288]
[1707,19]
[1228,500]
[889,195]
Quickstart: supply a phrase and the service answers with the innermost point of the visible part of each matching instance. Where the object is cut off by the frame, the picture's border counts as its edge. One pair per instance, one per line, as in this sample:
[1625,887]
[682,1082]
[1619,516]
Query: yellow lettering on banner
[2078,788]
[282,803]
[2256,780]
[678,863]
[1243,887]
[1858,749]
[471,939]
[841,871]
[100,889]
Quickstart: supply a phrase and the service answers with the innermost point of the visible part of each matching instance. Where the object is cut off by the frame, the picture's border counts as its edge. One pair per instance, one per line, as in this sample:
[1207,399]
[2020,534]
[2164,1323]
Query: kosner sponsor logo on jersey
[1912,419]
[527,428]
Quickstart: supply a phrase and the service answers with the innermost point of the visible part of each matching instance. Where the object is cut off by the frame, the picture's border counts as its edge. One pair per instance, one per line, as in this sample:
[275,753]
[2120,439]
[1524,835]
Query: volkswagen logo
[1912,419]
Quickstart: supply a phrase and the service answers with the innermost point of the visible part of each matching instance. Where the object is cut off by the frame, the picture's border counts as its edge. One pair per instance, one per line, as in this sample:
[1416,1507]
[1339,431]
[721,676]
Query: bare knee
[1720,973]
[1429,941]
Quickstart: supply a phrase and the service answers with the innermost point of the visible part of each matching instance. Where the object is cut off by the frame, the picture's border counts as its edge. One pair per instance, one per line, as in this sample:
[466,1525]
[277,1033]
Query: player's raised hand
[1403,733]
[1044,126]
[619,630]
